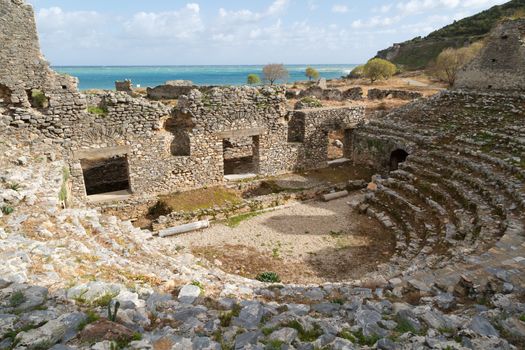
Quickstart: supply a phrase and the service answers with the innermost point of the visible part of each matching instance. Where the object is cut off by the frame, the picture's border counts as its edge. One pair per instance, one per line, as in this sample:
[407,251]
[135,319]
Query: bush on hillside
[378,68]
[358,72]
[450,61]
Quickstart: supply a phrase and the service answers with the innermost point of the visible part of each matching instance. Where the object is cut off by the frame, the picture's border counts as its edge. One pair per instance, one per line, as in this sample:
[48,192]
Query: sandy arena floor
[310,242]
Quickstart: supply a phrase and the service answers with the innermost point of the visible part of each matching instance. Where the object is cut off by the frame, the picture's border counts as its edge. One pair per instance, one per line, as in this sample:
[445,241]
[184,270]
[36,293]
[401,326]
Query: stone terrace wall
[501,64]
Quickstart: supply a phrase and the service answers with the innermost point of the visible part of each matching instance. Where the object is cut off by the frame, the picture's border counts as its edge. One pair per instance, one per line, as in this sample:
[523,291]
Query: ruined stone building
[501,64]
[117,143]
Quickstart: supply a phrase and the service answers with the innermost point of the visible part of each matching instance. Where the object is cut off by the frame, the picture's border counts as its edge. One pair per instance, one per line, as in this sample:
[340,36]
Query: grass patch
[270,277]
[200,199]
[13,186]
[274,344]
[91,317]
[104,300]
[522,318]
[235,221]
[303,334]
[101,111]
[312,102]
[13,333]
[17,299]
[403,326]
[359,337]
[198,284]
[226,317]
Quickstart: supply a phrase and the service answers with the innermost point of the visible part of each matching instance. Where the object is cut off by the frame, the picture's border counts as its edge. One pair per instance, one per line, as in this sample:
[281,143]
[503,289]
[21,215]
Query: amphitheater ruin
[423,246]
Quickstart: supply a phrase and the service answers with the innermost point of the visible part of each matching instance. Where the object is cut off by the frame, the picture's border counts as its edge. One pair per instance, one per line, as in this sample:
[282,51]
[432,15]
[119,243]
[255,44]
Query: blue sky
[174,32]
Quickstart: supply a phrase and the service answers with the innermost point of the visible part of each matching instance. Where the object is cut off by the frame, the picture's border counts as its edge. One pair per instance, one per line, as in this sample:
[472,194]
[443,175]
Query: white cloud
[338,8]
[67,28]
[377,21]
[244,15]
[418,6]
[182,24]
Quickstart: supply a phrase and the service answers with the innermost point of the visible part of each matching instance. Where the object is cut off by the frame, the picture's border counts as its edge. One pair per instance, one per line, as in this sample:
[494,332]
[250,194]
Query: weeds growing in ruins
[17,299]
[101,111]
[270,277]
[303,334]
[7,210]
[235,221]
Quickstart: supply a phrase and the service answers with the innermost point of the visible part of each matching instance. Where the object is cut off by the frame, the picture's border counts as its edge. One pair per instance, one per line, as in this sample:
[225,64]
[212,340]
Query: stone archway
[397,156]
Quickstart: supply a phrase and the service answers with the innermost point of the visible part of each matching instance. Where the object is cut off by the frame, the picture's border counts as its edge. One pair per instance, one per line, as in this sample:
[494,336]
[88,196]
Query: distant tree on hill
[274,72]
[253,79]
[450,61]
[378,68]
[312,73]
[357,72]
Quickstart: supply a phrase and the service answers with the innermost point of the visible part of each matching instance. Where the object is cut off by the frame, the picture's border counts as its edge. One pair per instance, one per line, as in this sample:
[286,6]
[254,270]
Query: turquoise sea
[101,77]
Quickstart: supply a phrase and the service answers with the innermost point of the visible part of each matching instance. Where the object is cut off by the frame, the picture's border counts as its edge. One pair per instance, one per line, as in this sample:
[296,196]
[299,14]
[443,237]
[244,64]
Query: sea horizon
[104,76]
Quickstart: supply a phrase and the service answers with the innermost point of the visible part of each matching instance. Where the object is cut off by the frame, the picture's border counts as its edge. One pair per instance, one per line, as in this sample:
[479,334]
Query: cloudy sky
[178,32]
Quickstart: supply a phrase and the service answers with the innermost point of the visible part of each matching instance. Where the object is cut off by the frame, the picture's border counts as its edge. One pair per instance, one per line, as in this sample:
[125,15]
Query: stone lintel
[97,153]
[240,133]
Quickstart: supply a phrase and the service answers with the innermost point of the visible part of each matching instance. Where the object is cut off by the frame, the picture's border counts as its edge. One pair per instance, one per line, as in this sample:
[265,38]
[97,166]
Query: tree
[274,72]
[312,73]
[253,79]
[357,72]
[450,61]
[378,68]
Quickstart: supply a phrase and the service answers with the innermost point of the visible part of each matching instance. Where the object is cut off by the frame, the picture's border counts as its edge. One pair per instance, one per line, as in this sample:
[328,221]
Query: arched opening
[396,157]
[5,95]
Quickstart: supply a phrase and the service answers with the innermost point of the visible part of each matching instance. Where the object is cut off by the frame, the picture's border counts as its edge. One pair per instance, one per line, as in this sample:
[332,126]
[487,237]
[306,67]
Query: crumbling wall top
[501,63]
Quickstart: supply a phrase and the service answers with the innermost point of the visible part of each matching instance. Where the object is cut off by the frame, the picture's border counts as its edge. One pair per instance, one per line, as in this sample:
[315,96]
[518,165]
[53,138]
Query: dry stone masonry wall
[501,64]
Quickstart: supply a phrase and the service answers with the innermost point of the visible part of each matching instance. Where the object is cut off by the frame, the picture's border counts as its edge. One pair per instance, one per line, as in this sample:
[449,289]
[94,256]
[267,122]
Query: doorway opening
[336,139]
[396,157]
[106,175]
[241,155]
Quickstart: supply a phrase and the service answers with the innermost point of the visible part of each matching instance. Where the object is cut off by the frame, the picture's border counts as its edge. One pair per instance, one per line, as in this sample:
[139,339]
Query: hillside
[418,52]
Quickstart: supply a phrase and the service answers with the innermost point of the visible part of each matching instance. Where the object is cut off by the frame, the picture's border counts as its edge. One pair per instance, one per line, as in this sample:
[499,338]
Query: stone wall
[317,123]
[166,149]
[380,94]
[375,151]
[22,66]
[501,63]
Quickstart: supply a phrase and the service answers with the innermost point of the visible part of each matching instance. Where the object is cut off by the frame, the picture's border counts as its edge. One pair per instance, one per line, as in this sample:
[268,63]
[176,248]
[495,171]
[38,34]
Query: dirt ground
[310,242]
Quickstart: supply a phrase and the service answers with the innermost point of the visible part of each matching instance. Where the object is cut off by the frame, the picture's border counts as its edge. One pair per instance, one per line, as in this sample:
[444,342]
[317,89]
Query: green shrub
[270,277]
[312,101]
[102,111]
[377,69]
[312,73]
[7,210]
[358,72]
[14,186]
[38,99]
[253,79]
[17,299]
